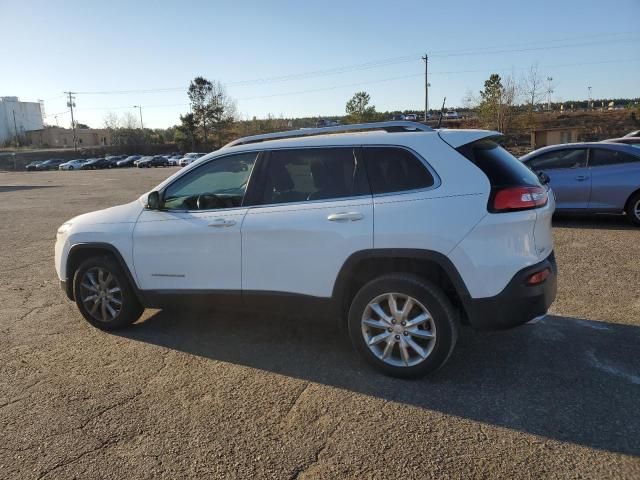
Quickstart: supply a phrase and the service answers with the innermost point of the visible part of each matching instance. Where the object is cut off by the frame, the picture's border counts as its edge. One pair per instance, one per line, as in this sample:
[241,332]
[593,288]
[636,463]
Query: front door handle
[222,222]
[581,178]
[345,217]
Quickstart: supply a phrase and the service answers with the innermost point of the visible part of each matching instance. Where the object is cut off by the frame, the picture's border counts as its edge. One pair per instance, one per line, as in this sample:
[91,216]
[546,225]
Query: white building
[28,116]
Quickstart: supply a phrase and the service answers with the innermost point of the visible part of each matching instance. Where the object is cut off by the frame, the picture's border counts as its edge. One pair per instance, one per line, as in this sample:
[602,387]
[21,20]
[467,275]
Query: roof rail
[394,126]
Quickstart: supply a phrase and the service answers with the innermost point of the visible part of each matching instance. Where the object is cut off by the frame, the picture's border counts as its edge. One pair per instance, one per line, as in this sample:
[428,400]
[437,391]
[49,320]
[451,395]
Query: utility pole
[426,86]
[71,103]
[139,107]
[590,105]
[549,92]
[15,128]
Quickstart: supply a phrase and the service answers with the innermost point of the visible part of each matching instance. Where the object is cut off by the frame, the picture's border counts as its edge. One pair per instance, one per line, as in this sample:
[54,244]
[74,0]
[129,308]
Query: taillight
[510,199]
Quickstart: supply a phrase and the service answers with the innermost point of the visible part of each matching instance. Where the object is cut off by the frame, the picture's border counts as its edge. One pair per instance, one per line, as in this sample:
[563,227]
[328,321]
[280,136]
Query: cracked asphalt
[195,394]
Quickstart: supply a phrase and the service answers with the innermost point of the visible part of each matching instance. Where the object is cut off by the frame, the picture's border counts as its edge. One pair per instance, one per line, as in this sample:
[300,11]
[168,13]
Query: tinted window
[566,158]
[395,170]
[220,183]
[500,167]
[600,156]
[312,174]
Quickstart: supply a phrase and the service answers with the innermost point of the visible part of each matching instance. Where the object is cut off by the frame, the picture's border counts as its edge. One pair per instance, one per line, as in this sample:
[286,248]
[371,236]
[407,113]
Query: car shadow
[563,378]
[596,222]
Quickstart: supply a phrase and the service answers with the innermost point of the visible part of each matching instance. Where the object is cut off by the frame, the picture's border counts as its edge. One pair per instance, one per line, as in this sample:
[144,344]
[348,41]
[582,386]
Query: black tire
[631,210]
[70,167]
[130,308]
[431,297]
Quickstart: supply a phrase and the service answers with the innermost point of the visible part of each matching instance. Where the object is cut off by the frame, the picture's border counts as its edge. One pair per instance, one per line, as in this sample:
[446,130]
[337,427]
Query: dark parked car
[155,161]
[51,164]
[635,141]
[96,163]
[32,166]
[596,177]
[127,161]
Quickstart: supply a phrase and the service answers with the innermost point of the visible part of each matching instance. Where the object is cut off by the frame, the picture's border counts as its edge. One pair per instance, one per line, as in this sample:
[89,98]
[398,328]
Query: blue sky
[90,46]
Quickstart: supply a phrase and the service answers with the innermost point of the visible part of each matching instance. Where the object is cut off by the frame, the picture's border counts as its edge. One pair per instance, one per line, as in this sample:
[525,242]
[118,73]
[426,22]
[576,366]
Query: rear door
[314,211]
[615,176]
[569,176]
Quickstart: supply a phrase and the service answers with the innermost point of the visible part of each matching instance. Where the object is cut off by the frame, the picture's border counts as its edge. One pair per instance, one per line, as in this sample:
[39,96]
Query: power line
[387,62]
[384,80]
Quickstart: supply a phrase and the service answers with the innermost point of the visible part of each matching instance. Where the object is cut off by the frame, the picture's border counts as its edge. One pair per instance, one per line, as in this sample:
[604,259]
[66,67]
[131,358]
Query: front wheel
[104,295]
[403,325]
[633,209]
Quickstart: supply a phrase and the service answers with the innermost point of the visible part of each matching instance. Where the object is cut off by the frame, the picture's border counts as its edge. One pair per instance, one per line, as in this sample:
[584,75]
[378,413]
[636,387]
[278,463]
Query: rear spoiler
[458,138]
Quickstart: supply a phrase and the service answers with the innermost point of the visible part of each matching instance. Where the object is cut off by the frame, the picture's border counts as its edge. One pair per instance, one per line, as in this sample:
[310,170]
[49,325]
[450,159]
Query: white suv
[402,231]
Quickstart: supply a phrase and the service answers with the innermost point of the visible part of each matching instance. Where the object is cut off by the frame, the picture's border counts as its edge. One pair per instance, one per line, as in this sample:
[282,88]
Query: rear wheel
[633,208]
[403,325]
[103,294]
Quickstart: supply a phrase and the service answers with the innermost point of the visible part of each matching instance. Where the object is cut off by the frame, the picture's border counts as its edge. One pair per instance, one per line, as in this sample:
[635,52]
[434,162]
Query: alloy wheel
[398,329]
[101,294]
[636,209]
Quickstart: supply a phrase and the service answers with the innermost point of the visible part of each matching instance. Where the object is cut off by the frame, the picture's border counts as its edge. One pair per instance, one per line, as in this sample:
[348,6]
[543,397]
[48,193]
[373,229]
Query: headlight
[64,228]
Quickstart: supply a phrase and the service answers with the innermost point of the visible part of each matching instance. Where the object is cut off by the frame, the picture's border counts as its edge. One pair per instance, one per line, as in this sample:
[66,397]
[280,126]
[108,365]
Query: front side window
[312,174]
[220,183]
[567,158]
[393,169]
[600,157]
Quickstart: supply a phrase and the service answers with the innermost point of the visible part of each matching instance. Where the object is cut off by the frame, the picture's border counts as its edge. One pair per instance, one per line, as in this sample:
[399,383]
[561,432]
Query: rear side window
[392,169]
[565,158]
[501,168]
[600,157]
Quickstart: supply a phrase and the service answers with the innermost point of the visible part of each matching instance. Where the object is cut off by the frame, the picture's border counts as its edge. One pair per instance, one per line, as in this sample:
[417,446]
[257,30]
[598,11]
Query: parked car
[633,141]
[114,159]
[451,115]
[324,122]
[144,157]
[51,164]
[72,164]
[174,160]
[412,117]
[597,177]
[128,161]
[96,163]
[155,161]
[189,158]
[462,234]
[30,167]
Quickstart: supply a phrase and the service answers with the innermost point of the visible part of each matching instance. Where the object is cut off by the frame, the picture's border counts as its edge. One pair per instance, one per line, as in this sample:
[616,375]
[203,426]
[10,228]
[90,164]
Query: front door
[569,176]
[193,242]
[314,212]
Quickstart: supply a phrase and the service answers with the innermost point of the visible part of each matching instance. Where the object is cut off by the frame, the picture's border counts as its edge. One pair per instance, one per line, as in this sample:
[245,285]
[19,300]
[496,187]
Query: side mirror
[544,178]
[153,201]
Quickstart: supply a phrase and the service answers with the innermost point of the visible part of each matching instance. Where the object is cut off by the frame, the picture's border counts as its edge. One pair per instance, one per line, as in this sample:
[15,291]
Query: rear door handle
[345,217]
[222,222]
[580,178]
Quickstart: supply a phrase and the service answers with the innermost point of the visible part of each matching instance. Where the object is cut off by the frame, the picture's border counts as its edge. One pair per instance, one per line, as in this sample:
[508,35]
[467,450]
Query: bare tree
[111,121]
[533,87]
[129,121]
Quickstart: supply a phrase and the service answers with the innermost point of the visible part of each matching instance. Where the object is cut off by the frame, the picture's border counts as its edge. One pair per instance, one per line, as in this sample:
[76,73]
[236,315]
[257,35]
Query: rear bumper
[518,302]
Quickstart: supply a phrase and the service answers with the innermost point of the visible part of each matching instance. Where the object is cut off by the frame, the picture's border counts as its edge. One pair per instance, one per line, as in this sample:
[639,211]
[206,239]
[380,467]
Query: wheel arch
[80,252]
[627,202]
[364,265]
